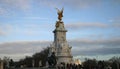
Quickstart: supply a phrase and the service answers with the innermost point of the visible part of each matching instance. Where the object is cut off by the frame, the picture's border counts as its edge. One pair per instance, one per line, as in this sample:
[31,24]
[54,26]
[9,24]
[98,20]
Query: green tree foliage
[11,63]
[41,56]
[115,59]
[37,57]
[90,63]
[6,62]
[28,61]
[115,62]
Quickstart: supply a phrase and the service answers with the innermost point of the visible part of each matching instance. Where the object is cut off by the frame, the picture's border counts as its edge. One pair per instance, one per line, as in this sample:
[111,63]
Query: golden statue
[60,14]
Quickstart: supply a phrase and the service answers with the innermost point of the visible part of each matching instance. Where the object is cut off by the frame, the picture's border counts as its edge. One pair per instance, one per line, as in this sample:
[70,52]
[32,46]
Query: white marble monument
[60,46]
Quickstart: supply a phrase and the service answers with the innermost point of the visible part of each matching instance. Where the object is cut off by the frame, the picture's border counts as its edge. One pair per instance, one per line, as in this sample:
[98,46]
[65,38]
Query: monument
[60,46]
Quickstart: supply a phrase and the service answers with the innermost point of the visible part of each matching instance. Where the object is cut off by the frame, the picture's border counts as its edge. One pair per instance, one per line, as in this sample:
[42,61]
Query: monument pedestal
[60,46]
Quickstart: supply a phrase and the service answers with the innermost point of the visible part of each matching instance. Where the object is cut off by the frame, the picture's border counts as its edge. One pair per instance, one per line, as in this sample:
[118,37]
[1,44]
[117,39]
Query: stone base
[65,59]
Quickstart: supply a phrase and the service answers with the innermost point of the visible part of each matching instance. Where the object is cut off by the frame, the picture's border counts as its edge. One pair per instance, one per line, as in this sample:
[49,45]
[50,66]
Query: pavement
[31,68]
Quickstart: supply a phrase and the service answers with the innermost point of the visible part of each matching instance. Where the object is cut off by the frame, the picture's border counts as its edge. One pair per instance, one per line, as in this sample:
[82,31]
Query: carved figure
[52,60]
[60,14]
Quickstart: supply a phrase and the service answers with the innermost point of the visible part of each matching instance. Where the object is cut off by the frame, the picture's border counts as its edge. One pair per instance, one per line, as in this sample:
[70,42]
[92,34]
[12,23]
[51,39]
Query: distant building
[77,61]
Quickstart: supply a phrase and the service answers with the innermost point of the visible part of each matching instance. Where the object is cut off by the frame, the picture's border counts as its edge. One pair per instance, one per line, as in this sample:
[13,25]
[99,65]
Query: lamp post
[33,63]
[1,64]
[40,63]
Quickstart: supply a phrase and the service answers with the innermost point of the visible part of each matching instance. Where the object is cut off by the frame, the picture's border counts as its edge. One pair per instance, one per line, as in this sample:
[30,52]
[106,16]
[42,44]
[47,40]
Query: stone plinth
[60,45]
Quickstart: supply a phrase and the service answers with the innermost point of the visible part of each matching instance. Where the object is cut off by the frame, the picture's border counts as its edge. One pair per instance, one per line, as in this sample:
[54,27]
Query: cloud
[29,29]
[82,3]
[40,18]
[2,32]
[2,11]
[32,29]
[70,3]
[95,47]
[96,25]
[86,25]
[98,57]
[79,46]
[73,4]
[115,22]
[16,4]
[20,49]
[16,57]
[107,42]
[9,7]
[26,5]
[37,28]
[5,29]
[95,52]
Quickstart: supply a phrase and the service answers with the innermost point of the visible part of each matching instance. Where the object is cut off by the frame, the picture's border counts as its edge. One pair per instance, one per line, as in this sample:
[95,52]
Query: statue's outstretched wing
[57,10]
[60,14]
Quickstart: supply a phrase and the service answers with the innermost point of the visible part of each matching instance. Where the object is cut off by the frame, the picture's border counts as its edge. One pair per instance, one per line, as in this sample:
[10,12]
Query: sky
[93,27]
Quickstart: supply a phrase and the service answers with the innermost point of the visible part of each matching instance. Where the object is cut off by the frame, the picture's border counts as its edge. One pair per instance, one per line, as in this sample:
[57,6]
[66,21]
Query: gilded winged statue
[60,14]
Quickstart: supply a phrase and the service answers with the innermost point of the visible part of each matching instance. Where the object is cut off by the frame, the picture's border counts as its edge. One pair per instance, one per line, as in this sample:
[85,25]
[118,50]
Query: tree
[6,62]
[11,63]
[37,57]
[41,56]
[90,63]
[115,62]
[28,61]
[115,59]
